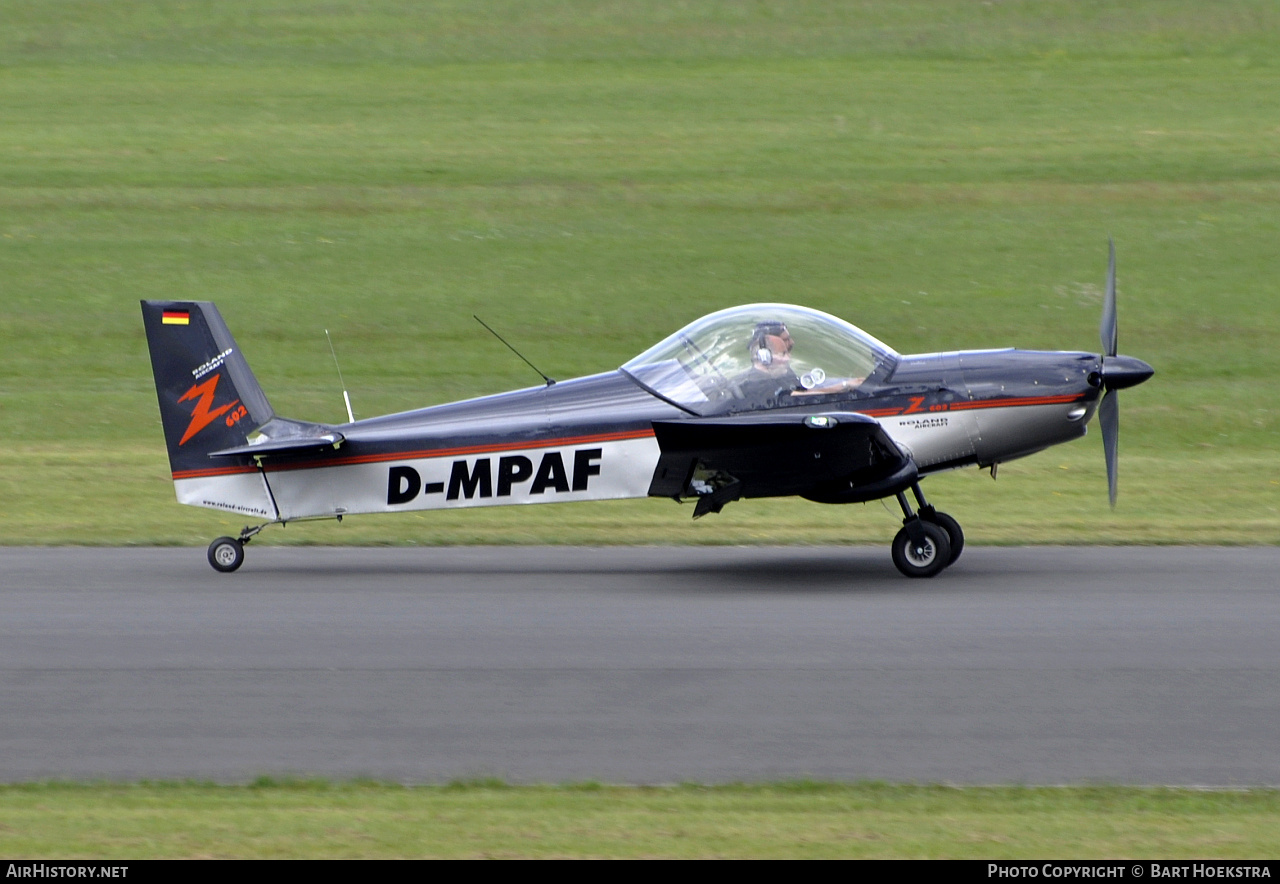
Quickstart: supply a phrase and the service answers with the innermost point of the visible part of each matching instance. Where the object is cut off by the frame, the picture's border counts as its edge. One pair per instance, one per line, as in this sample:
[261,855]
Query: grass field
[492,820]
[589,176]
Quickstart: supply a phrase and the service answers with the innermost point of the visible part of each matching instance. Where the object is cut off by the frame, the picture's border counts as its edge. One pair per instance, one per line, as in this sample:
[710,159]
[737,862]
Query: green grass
[492,820]
[589,176]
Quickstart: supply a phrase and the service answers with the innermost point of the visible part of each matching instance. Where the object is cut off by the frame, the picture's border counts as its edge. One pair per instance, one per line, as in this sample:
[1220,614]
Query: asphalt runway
[642,665]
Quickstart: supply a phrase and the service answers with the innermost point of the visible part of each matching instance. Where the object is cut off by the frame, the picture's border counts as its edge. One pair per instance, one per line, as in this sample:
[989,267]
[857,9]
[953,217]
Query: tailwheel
[226,554]
[948,524]
[921,549]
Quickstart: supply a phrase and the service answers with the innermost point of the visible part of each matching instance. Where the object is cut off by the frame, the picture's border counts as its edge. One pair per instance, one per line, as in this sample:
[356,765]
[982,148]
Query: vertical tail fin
[209,398]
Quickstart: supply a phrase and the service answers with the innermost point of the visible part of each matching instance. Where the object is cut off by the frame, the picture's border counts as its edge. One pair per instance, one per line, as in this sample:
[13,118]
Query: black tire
[226,554]
[925,559]
[954,534]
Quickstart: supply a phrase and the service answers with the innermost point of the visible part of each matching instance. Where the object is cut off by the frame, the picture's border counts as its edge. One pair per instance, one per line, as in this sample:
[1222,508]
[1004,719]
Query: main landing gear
[226,554]
[929,540]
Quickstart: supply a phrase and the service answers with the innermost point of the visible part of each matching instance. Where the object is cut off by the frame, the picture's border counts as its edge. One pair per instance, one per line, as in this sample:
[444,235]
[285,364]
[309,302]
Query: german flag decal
[176,317]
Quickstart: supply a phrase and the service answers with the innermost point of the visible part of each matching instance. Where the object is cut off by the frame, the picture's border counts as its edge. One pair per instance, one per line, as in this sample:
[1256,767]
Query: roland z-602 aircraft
[763,400]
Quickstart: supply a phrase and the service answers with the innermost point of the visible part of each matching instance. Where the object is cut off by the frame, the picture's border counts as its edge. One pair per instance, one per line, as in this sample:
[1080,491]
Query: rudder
[209,398]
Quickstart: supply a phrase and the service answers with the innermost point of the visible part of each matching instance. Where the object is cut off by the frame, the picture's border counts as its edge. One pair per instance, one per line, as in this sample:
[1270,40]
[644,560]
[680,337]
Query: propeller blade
[1109,342]
[1109,418]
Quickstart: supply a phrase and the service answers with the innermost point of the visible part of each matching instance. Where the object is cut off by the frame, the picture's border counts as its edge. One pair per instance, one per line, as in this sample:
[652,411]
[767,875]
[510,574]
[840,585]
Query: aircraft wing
[833,457]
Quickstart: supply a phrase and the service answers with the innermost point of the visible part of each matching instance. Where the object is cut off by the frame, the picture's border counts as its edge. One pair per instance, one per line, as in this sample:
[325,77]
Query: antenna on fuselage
[549,380]
[351,418]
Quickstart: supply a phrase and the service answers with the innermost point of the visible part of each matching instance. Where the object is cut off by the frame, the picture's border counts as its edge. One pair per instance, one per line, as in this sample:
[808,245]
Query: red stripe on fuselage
[1016,402]
[1010,402]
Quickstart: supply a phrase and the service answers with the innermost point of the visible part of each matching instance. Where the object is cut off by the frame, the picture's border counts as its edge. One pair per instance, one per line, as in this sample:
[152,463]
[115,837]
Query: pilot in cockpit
[771,380]
[770,375]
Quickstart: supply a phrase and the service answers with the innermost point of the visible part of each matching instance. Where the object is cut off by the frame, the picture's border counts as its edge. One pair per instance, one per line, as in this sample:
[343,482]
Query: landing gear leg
[923,547]
[943,521]
[226,554]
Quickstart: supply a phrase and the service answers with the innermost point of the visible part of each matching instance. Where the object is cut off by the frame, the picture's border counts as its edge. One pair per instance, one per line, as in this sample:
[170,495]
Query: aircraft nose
[1119,372]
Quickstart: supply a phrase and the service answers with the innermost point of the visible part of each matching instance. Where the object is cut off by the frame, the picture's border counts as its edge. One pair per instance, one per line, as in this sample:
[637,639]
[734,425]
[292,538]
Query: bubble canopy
[713,365]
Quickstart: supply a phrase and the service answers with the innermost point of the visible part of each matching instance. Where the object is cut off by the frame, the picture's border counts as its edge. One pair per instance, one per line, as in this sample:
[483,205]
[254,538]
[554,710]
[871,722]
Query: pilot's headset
[759,346]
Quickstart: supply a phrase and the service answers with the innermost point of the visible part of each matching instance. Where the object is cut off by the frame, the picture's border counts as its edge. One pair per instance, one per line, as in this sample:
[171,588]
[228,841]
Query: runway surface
[645,665]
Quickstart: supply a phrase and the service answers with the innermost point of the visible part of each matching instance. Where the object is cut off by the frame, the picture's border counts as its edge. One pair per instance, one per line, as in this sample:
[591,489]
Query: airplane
[761,400]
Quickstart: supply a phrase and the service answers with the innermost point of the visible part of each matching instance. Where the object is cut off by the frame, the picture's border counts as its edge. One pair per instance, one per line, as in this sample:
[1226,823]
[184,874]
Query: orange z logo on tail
[201,416]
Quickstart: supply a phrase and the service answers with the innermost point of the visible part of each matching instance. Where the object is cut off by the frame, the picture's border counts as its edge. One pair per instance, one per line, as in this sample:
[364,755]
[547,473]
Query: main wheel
[226,554]
[954,535]
[923,559]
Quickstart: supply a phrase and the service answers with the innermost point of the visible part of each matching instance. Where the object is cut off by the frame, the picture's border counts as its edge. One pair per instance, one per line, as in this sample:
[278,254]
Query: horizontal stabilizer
[283,436]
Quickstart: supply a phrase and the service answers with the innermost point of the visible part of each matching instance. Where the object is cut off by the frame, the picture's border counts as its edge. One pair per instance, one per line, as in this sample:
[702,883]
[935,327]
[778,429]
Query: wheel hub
[922,554]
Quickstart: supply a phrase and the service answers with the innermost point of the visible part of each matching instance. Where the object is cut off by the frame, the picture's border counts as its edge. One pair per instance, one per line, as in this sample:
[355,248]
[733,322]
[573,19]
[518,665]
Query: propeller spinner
[1117,373]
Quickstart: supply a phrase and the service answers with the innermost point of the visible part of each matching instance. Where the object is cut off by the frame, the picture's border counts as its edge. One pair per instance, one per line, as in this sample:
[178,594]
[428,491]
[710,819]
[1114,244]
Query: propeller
[1108,330]
[1109,408]
[1109,417]
[1117,373]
